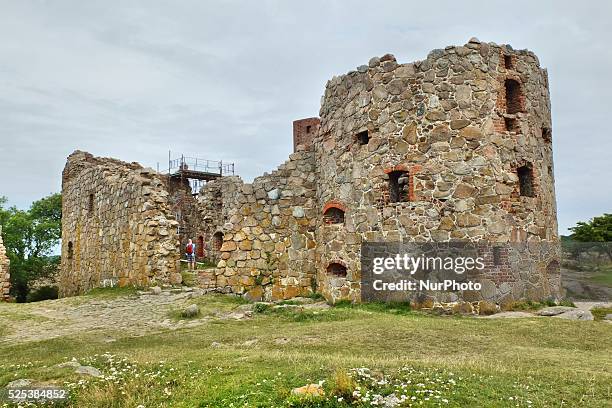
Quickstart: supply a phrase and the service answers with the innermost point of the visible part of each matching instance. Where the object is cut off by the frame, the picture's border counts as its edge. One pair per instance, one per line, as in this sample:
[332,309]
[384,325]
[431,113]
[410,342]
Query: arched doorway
[200,247]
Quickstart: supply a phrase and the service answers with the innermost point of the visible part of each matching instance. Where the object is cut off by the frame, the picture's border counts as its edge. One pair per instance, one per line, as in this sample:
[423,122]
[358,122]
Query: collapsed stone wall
[5,276]
[455,147]
[117,226]
[266,231]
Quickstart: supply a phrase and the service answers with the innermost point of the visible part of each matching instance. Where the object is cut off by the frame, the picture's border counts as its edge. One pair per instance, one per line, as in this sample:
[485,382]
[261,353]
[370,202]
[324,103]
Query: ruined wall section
[184,207]
[441,127]
[5,276]
[267,248]
[117,226]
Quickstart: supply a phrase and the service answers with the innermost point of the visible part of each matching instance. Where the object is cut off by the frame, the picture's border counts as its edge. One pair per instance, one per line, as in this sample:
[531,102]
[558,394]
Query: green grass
[110,292]
[530,305]
[604,276]
[600,312]
[227,363]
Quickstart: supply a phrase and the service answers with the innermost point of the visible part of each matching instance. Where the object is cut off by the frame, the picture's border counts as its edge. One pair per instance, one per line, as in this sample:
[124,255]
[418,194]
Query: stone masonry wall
[117,226]
[443,129]
[267,249]
[5,284]
[457,147]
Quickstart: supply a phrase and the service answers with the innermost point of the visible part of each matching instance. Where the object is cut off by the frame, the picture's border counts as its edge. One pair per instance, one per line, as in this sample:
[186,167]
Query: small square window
[363,137]
[511,125]
[547,134]
[399,186]
[508,62]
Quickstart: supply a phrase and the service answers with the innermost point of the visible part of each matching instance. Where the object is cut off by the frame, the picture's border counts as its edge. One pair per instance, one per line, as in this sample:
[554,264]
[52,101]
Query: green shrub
[261,308]
[43,293]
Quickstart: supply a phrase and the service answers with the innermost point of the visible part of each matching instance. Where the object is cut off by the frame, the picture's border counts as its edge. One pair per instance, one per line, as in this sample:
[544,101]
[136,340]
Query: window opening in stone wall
[547,134]
[508,62]
[363,138]
[70,250]
[90,204]
[511,124]
[200,247]
[553,267]
[336,269]
[308,129]
[525,175]
[333,215]
[497,255]
[217,241]
[513,96]
[398,186]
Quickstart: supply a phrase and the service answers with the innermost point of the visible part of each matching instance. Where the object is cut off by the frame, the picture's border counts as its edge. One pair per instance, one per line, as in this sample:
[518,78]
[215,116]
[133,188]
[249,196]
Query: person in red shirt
[190,251]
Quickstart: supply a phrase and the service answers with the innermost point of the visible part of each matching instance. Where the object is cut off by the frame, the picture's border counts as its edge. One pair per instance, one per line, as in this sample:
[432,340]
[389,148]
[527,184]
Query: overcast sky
[225,79]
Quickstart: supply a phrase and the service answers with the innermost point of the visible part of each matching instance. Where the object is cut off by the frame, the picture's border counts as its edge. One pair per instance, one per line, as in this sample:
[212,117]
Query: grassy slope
[542,360]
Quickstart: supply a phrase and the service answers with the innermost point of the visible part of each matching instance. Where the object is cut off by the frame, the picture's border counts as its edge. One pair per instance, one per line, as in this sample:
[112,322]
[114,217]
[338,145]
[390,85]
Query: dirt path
[131,315]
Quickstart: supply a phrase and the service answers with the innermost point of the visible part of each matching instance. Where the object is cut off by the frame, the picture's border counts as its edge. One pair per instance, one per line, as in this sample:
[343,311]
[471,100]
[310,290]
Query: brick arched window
[333,213]
[514,96]
[217,240]
[336,269]
[70,250]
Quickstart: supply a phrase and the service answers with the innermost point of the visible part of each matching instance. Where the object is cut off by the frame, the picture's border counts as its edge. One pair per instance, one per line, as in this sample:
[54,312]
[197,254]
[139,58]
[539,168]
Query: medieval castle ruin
[5,276]
[453,148]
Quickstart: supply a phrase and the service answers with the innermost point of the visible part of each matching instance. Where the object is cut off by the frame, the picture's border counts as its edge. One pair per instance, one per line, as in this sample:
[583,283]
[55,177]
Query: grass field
[358,353]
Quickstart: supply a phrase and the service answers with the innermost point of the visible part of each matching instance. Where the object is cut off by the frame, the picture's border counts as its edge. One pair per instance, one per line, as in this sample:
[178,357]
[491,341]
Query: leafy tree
[30,237]
[599,229]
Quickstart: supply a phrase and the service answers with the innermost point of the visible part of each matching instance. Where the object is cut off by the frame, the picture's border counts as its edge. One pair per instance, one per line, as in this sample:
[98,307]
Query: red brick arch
[334,204]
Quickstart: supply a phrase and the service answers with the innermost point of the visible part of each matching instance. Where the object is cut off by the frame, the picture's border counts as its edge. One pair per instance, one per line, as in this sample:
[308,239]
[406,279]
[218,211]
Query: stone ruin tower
[5,284]
[457,147]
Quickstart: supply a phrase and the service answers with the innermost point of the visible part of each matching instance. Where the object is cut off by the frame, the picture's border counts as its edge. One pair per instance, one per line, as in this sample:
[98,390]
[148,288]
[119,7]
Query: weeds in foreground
[599,313]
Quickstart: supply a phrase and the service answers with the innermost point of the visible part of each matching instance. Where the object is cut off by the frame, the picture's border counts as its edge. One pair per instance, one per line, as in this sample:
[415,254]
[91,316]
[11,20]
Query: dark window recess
[497,256]
[200,247]
[217,241]
[336,269]
[399,186]
[547,134]
[550,171]
[70,250]
[308,128]
[513,96]
[525,175]
[90,203]
[508,62]
[511,125]
[333,215]
[363,137]
[553,267]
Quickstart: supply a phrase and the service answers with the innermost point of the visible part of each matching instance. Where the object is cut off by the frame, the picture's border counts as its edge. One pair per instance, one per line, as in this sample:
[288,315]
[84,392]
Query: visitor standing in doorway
[190,251]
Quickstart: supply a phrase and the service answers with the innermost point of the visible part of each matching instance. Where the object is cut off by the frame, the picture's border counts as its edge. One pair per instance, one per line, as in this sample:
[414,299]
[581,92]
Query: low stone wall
[117,226]
[5,276]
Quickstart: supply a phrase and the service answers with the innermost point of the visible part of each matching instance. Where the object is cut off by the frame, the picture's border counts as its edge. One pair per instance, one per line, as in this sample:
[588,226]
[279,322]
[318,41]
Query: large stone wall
[444,122]
[267,249]
[5,277]
[117,226]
